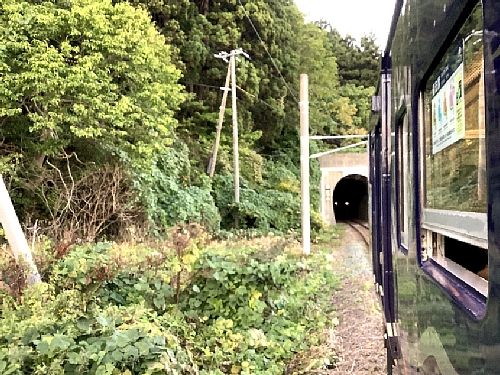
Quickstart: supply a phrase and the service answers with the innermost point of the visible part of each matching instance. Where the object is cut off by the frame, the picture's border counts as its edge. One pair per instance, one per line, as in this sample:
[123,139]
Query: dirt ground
[357,341]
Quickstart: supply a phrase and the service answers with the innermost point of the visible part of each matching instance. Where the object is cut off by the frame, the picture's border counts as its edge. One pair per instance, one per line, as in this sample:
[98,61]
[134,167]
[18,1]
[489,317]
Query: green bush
[264,209]
[169,197]
[242,309]
[256,307]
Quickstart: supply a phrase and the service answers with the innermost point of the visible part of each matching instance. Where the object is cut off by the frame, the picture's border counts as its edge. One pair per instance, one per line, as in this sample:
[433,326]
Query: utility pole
[232,55]
[15,235]
[304,164]
[235,134]
[221,119]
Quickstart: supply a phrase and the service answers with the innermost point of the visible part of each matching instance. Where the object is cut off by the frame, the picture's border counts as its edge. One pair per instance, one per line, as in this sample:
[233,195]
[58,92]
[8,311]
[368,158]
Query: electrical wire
[239,88]
[260,100]
[202,85]
[272,60]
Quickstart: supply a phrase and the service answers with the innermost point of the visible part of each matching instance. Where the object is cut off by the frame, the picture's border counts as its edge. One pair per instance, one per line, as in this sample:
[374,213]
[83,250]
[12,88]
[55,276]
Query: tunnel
[350,198]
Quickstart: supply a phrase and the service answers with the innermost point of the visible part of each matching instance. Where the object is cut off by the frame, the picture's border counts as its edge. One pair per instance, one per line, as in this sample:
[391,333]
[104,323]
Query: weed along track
[358,337]
[191,306]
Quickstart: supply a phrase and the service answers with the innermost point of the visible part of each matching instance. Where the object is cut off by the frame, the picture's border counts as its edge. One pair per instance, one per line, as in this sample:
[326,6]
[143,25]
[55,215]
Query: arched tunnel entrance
[350,198]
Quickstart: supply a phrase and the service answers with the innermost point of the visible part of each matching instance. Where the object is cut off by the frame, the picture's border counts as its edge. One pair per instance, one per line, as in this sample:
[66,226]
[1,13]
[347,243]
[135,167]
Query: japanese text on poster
[448,120]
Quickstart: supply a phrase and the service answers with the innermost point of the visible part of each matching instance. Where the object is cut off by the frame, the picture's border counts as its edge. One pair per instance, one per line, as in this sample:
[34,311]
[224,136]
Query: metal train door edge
[388,295]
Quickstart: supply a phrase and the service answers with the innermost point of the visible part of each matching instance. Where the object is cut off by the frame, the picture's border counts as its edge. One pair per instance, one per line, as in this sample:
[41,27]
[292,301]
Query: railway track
[361,227]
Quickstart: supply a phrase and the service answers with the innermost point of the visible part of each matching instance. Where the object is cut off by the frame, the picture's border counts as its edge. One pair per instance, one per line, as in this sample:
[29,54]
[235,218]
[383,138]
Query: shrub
[264,209]
[242,308]
[168,196]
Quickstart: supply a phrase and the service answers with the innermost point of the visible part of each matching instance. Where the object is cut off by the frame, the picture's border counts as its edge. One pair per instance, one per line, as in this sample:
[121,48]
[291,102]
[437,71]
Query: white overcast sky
[354,17]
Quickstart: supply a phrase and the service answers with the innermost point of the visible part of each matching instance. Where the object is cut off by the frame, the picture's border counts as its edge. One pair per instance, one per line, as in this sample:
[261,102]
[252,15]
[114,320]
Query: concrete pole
[221,119]
[235,137]
[15,235]
[304,164]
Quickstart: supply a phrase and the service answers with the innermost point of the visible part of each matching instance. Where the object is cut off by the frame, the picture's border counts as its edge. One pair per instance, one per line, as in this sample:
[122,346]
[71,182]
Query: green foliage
[272,208]
[244,309]
[87,70]
[85,270]
[342,77]
[198,29]
[85,85]
[105,341]
[91,317]
[358,63]
[90,84]
[169,197]
[257,305]
[9,162]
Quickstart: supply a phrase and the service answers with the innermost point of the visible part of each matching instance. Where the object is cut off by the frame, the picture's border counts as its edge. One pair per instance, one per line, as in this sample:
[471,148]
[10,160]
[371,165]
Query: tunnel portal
[350,198]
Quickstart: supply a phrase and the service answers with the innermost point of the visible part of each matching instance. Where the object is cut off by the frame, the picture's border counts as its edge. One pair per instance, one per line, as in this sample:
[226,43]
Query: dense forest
[108,112]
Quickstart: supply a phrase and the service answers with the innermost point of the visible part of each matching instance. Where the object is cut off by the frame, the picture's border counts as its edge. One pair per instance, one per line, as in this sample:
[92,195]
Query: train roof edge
[384,64]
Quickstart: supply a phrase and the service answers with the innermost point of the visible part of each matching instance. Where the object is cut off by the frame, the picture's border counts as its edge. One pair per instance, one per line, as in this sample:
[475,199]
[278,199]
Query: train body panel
[435,187]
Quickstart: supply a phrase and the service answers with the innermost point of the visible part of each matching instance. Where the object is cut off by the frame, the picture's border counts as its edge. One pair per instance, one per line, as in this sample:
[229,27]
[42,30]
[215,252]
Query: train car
[435,187]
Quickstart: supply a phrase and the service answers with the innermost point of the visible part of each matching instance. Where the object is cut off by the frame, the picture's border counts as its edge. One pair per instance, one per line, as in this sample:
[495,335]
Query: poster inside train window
[448,120]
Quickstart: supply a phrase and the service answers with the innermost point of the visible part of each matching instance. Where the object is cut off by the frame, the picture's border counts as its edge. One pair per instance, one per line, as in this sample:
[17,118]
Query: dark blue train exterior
[441,317]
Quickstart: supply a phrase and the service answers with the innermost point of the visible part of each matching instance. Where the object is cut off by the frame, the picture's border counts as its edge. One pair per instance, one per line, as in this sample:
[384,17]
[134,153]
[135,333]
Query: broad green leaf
[143,347]
[84,324]
[117,355]
[121,339]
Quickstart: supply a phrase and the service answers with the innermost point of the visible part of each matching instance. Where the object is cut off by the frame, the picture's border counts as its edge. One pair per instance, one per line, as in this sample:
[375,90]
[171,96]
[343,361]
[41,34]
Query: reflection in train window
[454,196]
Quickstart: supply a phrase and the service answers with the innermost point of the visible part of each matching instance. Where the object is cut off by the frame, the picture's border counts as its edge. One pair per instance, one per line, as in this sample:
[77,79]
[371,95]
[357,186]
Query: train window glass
[455,151]
[402,174]
[455,206]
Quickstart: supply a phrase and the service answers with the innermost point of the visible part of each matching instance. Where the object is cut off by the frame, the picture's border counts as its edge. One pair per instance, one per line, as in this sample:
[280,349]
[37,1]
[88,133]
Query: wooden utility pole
[304,164]
[221,119]
[232,64]
[15,235]
[236,167]
[235,131]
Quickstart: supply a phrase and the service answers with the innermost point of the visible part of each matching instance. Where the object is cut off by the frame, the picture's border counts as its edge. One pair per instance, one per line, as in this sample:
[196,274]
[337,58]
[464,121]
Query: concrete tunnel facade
[344,179]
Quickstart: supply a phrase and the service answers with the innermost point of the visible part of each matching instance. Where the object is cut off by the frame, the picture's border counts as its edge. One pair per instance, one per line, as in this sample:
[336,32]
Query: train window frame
[465,228]
[401,168]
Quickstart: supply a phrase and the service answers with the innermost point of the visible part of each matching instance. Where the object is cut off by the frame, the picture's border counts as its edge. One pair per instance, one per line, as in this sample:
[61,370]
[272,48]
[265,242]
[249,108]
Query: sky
[354,17]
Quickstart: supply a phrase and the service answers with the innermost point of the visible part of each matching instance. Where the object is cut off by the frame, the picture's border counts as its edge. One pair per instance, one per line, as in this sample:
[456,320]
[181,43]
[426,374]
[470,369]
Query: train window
[402,175]
[456,257]
[454,181]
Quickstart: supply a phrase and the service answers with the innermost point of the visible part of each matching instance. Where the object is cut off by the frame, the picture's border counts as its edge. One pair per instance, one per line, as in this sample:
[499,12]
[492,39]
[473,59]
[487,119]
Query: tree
[358,64]
[86,70]
[87,87]
[267,111]
[329,110]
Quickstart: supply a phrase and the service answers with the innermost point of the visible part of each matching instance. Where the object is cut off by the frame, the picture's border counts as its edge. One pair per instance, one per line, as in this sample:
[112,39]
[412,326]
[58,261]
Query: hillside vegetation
[108,112]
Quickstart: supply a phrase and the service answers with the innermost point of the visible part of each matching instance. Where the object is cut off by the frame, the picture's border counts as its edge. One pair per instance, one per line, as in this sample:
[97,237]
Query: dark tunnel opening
[350,198]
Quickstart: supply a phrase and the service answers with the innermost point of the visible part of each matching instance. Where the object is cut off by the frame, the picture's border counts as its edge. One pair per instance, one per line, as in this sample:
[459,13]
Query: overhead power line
[272,60]
[228,89]
[202,85]
[260,100]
